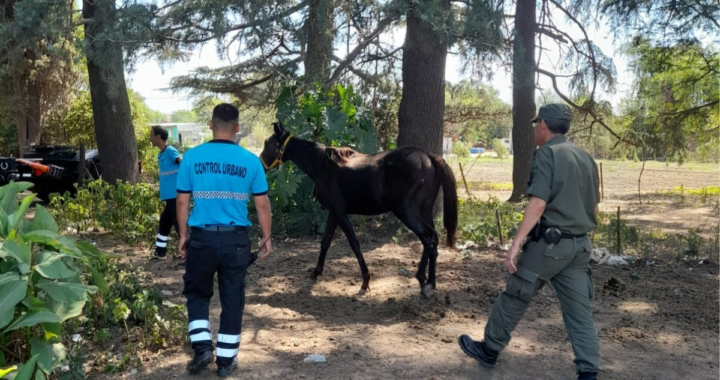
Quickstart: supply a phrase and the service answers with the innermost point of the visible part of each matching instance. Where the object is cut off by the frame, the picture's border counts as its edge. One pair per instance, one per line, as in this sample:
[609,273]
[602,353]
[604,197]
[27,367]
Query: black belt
[562,236]
[220,229]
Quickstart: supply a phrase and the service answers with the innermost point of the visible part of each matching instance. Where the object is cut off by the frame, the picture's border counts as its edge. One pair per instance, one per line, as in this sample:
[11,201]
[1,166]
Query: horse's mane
[341,155]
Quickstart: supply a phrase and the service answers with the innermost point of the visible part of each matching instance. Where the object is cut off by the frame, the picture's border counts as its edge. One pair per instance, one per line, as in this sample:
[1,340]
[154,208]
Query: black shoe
[587,376]
[478,351]
[228,370]
[156,256]
[200,361]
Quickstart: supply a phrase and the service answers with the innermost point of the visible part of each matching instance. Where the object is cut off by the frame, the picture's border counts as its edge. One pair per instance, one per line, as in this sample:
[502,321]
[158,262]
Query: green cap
[554,111]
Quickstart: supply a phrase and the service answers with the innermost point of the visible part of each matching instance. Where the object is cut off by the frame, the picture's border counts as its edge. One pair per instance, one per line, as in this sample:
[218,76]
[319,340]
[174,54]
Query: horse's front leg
[344,223]
[330,226]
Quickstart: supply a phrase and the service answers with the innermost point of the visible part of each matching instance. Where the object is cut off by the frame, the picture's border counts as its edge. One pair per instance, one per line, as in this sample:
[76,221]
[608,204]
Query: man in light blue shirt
[221,176]
[169,162]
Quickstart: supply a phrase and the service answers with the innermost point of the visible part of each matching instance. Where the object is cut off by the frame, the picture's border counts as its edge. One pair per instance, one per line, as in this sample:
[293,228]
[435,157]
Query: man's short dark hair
[225,113]
[557,126]
[160,131]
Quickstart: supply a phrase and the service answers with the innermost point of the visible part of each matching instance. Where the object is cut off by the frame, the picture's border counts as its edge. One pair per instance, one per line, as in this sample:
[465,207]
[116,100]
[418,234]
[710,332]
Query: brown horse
[404,181]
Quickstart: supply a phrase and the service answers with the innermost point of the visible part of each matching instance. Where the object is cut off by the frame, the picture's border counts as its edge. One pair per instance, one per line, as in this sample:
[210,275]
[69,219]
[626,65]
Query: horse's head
[275,145]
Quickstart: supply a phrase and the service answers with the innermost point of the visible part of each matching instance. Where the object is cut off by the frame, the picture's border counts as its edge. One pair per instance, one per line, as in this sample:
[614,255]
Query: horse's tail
[450,199]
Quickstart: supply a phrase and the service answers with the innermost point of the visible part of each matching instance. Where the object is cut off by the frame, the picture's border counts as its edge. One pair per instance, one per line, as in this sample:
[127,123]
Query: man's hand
[181,246]
[265,248]
[512,258]
[262,205]
[183,202]
[532,214]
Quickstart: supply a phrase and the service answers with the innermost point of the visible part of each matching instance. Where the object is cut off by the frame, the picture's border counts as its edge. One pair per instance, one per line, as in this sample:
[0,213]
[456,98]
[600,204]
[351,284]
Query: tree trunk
[319,29]
[114,130]
[33,113]
[20,113]
[523,139]
[422,106]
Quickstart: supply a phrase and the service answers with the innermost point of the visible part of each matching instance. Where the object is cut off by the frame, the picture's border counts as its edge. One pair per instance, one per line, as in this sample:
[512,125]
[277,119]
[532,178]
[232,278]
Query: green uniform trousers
[566,266]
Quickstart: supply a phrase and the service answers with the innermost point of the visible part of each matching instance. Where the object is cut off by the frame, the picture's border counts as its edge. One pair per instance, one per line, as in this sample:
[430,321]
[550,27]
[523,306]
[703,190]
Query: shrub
[461,149]
[128,212]
[499,149]
[477,221]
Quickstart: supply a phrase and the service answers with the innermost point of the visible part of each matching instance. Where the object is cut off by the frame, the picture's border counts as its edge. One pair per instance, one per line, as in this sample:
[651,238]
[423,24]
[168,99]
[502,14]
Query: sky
[149,78]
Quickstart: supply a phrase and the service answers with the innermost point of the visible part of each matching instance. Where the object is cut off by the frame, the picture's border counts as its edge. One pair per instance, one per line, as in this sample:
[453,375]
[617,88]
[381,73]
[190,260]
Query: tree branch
[251,24]
[552,35]
[587,39]
[693,109]
[354,53]
[588,110]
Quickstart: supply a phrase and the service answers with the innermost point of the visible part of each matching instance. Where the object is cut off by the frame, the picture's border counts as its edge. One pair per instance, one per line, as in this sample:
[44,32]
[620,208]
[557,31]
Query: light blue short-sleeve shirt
[221,176]
[167,162]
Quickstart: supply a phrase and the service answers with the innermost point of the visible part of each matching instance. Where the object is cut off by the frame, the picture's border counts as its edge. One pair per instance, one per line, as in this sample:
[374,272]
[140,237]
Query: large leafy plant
[45,280]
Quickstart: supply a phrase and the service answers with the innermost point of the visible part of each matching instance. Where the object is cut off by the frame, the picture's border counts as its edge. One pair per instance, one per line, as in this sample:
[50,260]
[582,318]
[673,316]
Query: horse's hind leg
[415,222]
[344,222]
[330,227]
[432,253]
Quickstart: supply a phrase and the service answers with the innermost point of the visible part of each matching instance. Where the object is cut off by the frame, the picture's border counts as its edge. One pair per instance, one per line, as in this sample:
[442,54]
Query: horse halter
[278,160]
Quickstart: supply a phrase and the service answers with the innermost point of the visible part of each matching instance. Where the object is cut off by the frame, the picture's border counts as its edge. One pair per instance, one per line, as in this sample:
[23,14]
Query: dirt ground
[663,324]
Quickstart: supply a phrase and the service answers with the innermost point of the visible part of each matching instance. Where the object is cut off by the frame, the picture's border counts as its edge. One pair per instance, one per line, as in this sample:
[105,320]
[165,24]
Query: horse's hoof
[314,275]
[363,292]
[427,291]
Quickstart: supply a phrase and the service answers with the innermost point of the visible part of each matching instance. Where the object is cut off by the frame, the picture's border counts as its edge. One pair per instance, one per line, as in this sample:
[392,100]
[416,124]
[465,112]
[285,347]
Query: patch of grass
[493,186]
[704,194]
[477,221]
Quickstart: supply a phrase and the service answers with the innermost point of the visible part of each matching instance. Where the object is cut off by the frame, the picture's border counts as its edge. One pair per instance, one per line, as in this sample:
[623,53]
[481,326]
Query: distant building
[507,142]
[447,145]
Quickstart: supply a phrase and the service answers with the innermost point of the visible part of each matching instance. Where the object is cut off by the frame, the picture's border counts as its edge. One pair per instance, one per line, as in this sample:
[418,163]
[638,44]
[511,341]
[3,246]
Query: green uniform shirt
[565,176]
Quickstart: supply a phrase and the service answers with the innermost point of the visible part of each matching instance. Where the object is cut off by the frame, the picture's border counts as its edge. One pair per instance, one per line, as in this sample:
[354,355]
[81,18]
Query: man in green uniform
[562,209]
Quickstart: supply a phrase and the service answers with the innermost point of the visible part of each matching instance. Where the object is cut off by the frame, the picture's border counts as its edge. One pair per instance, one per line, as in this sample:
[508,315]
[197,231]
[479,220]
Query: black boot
[200,361]
[478,351]
[587,376]
[225,371]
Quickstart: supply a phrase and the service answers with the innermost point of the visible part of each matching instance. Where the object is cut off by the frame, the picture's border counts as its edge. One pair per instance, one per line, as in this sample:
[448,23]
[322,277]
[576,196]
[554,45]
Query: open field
[669,213]
[662,322]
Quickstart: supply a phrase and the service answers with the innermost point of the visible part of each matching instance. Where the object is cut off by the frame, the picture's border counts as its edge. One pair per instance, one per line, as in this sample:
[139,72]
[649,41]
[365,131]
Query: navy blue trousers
[228,255]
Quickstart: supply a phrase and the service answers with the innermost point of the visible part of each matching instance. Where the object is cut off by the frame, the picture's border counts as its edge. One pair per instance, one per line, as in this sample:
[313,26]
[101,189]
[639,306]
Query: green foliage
[460,149]
[43,282]
[477,221]
[652,244]
[135,303]
[128,212]
[8,140]
[475,111]
[183,116]
[336,117]
[499,149]
[709,151]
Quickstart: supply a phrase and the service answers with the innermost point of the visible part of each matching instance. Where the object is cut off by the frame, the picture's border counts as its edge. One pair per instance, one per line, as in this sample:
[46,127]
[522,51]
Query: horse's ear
[278,128]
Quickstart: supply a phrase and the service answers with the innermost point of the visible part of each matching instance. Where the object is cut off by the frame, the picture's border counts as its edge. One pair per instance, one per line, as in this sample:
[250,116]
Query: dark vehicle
[52,168]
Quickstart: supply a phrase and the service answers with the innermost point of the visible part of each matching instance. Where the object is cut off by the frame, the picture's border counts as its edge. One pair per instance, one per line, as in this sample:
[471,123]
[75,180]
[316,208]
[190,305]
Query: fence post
[602,186]
[617,226]
[465,182]
[499,227]
[81,165]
